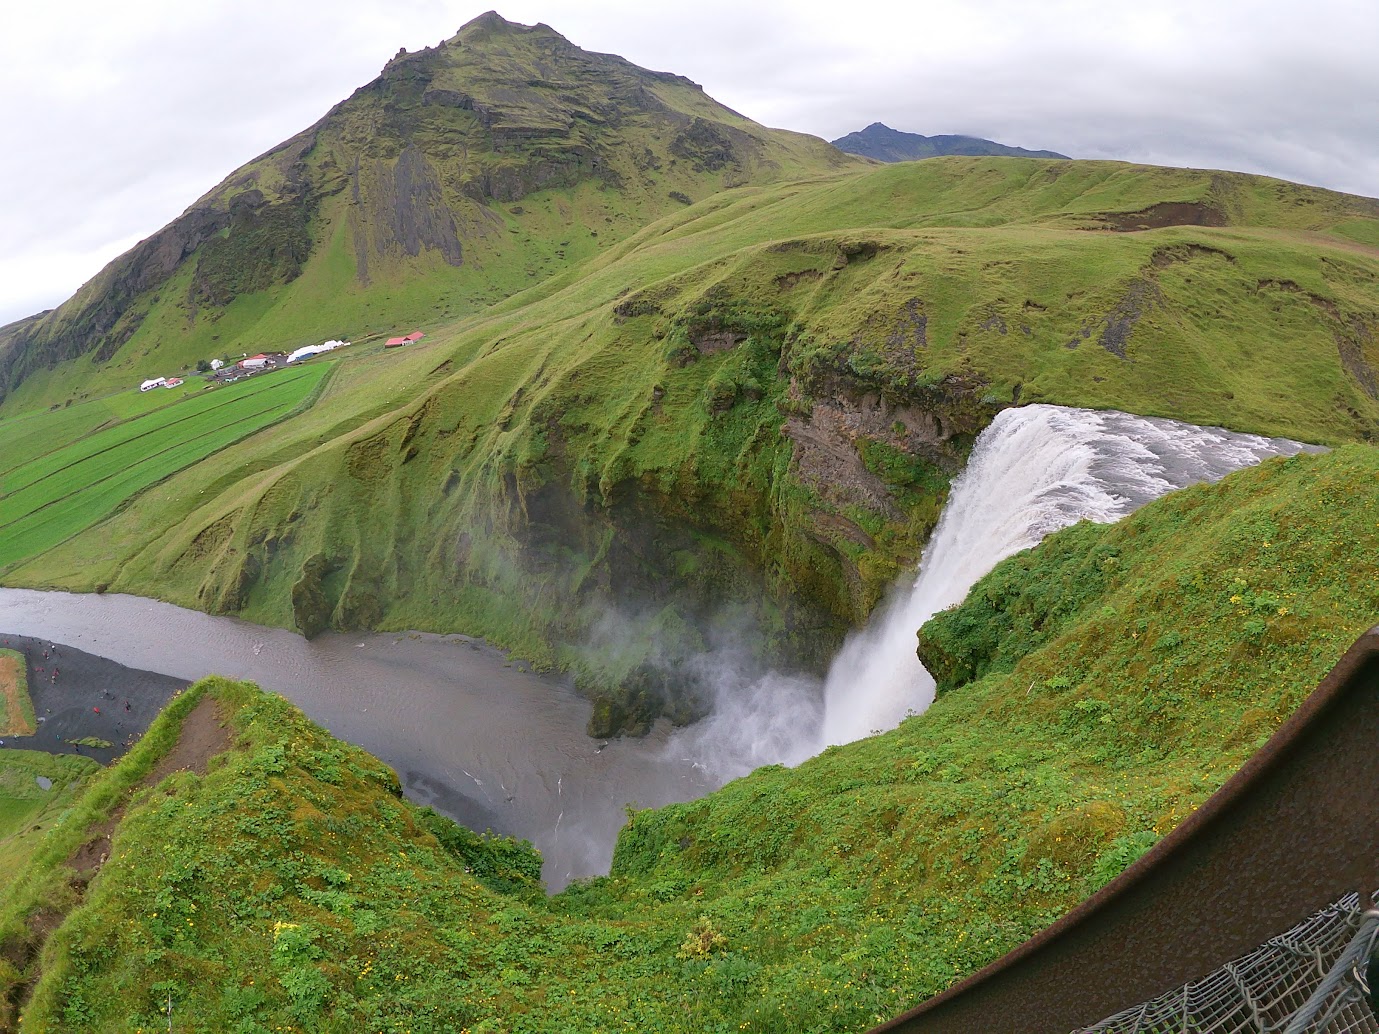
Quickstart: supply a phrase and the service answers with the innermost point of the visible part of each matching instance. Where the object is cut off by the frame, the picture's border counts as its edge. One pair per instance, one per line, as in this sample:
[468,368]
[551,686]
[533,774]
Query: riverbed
[483,740]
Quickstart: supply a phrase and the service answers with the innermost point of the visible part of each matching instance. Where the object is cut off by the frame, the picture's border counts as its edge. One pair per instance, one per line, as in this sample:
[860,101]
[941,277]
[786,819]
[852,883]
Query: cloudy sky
[117,116]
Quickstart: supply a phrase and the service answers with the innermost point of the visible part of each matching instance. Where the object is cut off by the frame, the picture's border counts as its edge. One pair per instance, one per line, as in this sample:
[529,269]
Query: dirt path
[204,734]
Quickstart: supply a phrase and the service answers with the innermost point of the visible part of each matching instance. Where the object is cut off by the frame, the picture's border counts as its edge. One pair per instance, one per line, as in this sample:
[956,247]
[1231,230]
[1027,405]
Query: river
[481,739]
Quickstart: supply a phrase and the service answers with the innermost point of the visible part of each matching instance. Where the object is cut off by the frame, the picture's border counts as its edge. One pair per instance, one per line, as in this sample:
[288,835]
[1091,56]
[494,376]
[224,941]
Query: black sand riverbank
[91,696]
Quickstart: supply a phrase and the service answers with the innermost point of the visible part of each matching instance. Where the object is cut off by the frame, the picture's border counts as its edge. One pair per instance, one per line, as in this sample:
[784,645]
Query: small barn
[414,337]
[395,342]
[254,362]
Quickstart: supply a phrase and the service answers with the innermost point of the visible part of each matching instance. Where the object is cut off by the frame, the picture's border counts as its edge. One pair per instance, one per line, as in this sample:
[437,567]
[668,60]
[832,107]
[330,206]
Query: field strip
[200,413]
[128,470]
[52,521]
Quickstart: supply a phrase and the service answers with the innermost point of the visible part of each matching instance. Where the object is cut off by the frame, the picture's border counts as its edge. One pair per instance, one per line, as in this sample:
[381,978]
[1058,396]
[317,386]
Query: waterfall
[1033,471]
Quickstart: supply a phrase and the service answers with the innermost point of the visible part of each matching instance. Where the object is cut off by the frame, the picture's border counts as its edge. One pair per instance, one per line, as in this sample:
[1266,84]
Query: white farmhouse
[156,382]
[216,364]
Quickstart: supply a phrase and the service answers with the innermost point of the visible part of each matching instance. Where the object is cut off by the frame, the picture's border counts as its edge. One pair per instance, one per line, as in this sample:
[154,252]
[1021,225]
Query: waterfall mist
[1034,470]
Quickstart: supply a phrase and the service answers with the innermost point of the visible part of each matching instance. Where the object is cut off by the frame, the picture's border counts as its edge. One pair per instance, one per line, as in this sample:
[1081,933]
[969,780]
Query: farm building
[155,382]
[172,382]
[410,339]
[216,364]
[254,362]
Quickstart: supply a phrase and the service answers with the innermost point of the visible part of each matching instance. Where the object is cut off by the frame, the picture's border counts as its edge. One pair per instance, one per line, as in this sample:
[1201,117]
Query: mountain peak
[491,24]
[424,166]
[489,20]
[881,142]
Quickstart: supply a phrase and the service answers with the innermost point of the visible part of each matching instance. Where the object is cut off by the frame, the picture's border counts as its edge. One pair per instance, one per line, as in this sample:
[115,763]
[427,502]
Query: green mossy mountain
[289,885]
[402,206]
[746,414]
[884,144]
[638,427]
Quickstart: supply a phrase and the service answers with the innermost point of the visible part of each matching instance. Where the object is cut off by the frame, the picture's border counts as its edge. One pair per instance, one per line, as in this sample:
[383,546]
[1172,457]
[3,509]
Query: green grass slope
[290,887]
[464,173]
[764,394]
[27,811]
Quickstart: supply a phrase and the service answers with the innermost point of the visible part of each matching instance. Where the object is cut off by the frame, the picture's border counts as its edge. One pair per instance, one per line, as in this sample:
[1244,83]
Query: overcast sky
[117,116]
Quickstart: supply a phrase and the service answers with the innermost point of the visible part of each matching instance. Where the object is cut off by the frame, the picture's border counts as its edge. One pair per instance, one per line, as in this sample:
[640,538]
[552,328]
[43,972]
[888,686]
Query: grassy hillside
[67,488]
[27,811]
[823,898]
[462,174]
[763,394]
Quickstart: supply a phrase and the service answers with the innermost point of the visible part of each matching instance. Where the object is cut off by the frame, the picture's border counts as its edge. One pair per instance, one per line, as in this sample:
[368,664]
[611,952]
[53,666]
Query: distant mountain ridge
[881,142]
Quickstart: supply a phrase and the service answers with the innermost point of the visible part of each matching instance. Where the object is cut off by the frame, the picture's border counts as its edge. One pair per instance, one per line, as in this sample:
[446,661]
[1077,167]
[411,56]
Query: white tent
[309,350]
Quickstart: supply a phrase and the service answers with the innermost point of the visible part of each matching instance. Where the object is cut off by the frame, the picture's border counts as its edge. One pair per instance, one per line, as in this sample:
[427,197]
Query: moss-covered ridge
[290,886]
[752,407]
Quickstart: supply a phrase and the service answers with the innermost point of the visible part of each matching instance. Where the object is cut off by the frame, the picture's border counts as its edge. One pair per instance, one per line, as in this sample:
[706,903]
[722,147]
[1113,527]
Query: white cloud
[118,116]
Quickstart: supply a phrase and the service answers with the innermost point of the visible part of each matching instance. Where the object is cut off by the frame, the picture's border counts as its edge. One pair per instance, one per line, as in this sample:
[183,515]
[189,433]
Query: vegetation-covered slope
[406,204]
[288,886]
[752,407]
[70,485]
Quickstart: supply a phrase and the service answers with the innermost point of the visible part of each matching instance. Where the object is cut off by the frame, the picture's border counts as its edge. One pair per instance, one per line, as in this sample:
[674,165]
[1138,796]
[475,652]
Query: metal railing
[1309,980]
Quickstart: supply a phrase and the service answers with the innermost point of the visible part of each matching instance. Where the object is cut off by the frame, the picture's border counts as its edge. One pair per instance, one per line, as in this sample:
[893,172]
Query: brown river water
[470,733]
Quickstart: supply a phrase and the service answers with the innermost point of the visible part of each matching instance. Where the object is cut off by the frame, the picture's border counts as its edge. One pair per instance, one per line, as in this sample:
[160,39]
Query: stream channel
[477,737]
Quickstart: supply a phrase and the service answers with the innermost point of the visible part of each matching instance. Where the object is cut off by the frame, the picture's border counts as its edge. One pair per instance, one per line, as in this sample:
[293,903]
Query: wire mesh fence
[1310,979]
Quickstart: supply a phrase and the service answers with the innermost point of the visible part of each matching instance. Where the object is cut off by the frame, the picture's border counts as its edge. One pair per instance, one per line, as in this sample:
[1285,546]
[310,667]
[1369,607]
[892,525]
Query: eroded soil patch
[13,717]
[1166,213]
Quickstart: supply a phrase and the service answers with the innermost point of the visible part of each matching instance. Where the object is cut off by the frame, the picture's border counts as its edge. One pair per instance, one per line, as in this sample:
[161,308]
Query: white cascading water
[1035,470]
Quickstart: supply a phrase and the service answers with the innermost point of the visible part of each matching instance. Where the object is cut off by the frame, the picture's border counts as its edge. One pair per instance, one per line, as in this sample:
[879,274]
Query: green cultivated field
[55,494]
[34,433]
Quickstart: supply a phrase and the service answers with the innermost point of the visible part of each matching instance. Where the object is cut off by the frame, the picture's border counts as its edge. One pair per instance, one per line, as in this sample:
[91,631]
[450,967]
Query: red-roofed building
[395,342]
[254,362]
[415,335]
